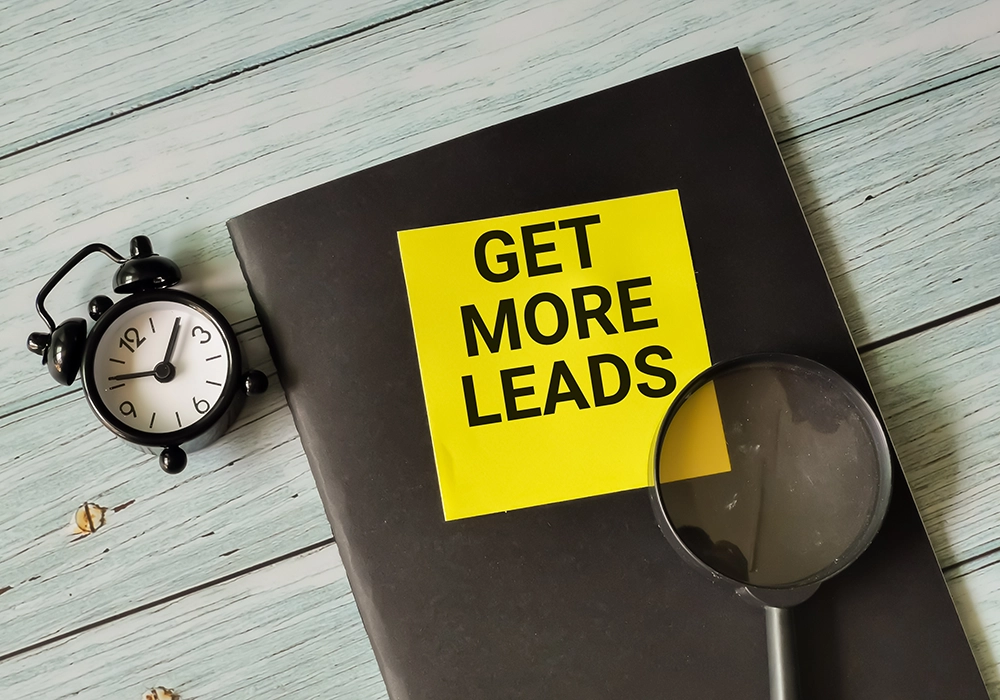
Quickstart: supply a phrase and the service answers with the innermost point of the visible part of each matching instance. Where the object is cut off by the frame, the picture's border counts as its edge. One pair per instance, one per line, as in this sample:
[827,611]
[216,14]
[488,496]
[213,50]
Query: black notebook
[434,318]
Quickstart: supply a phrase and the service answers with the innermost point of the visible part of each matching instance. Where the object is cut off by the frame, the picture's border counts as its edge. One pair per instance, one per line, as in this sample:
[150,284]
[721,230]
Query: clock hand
[133,375]
[173,340]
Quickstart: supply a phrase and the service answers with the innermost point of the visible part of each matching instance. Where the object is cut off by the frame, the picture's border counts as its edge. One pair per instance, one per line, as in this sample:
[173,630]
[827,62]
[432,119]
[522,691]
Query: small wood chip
[88,518]
[160,693]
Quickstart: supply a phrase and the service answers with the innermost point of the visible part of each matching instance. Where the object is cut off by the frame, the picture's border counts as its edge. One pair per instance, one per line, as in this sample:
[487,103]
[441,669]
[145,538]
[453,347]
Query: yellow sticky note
[551,344]
[695,442]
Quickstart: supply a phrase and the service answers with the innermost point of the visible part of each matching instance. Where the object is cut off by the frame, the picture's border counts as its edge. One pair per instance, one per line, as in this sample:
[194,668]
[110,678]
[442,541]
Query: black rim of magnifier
[865,412]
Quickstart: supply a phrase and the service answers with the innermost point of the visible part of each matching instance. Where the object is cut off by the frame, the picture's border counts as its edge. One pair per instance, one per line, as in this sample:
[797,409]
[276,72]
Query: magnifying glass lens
[795,461]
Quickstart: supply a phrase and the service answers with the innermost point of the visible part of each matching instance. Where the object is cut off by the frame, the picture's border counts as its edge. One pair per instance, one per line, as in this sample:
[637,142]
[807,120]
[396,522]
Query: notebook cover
[584,598]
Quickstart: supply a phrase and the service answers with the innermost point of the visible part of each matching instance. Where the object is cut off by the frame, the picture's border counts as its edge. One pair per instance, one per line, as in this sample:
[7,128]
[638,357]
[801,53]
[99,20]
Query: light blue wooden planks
[65,66]
[178,169]
[977,597]
[286,631]
[940,394]
[187,530]
[903,204]
[291,630]
[190,163]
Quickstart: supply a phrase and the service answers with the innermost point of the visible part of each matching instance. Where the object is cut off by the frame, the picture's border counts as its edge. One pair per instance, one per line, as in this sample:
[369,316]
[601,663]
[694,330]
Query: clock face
[161,366]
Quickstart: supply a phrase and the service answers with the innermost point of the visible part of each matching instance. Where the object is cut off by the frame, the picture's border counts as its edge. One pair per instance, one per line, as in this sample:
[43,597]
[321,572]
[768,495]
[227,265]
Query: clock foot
[173,460]
[255,382]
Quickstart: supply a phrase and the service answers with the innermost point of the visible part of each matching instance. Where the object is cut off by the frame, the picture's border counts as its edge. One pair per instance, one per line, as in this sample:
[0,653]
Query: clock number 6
[199,404]
[127,409]
[207,335]
[131,336]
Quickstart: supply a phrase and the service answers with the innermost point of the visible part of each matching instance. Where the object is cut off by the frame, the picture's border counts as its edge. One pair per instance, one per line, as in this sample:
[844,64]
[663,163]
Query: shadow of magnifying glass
[771,472]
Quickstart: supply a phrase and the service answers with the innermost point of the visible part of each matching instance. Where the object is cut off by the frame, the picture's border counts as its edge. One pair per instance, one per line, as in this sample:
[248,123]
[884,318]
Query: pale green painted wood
[66,65]
[286,631]
[177,170]
[242,501]
[903,204]
[940,394]
[292,630]
[189,164]
[977,597]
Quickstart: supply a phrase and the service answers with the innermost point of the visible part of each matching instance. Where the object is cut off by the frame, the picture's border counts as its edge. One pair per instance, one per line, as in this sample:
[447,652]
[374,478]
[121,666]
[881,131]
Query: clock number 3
[131,336]
[127,409]
[194,334]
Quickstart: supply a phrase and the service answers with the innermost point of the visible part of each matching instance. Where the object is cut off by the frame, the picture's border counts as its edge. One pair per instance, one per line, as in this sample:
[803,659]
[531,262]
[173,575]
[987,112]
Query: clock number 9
[131,335]
[198,405]
[207,335]
[127,409]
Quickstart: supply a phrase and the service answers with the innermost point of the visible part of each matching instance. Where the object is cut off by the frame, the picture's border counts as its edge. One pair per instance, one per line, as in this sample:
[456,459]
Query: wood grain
[940,394]
[286,631]
[240,502]
[977,597]
[64,66]
[292,630]
[177,170]
[903,204]
[923,246]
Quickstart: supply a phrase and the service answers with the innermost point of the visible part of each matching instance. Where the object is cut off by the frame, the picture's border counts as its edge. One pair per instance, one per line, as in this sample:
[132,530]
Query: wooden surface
[166,119]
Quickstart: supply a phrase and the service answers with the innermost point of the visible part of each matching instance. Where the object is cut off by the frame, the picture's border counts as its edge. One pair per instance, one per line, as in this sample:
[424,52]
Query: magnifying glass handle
[781,653]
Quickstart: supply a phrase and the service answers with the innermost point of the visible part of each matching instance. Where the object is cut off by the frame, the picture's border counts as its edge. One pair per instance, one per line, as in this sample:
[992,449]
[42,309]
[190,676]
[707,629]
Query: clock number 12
[131,336]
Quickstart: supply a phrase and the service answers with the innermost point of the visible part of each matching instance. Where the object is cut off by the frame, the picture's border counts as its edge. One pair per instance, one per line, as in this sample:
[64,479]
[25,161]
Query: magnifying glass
[771,472]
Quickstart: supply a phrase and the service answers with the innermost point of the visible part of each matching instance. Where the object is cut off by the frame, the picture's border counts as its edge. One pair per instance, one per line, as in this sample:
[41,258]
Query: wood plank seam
[226,72]
[220,75]
[913,331]
[896,96]
[164,599]
[961,565]
[933,323]
[324,542]
[887,341]
[904,95]
[245,85]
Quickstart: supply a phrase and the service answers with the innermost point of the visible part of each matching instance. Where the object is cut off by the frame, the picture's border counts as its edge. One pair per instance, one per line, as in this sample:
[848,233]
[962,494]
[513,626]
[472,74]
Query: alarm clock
[161,368]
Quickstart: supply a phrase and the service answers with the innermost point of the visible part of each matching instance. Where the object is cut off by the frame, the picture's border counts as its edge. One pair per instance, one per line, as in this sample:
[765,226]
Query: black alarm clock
[161,368]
